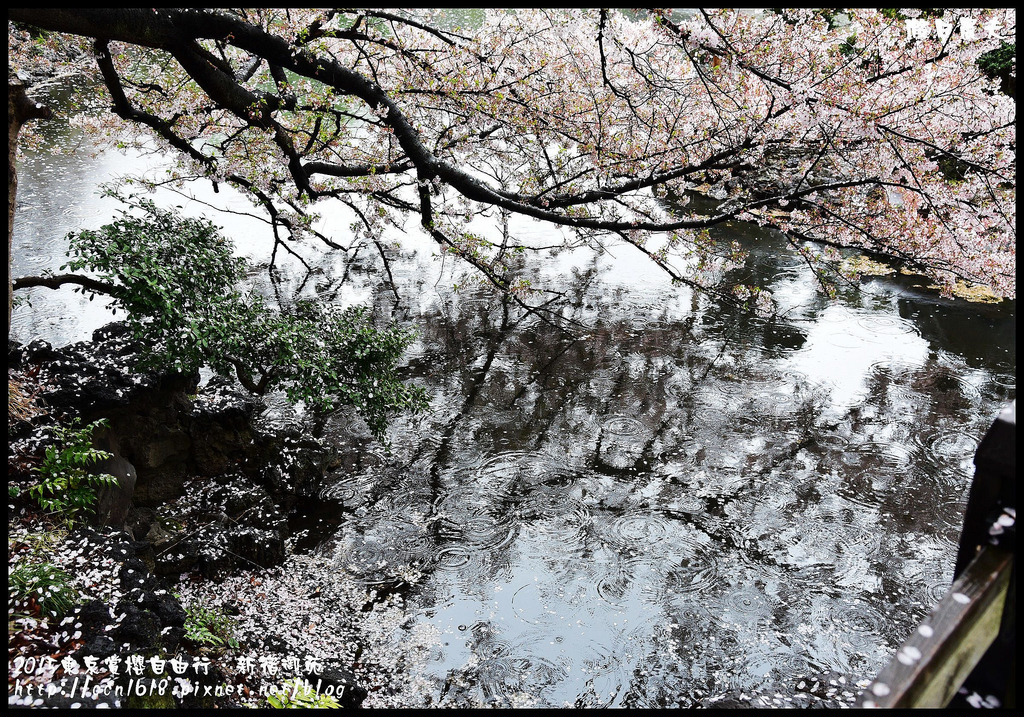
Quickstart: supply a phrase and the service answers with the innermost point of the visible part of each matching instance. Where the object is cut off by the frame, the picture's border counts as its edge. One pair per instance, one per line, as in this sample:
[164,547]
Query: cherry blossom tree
[862,130]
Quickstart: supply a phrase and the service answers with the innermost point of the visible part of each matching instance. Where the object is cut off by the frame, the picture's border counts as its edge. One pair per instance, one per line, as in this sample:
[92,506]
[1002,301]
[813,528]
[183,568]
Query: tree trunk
[20,109]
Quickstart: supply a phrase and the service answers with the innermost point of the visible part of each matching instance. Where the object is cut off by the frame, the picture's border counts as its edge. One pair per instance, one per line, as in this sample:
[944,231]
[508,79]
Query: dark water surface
[678,501]
[651,501]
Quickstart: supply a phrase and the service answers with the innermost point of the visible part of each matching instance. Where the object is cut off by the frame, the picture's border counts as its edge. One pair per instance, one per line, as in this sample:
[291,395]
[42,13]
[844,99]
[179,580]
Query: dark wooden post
[962,654]
[990,519]
[994,486]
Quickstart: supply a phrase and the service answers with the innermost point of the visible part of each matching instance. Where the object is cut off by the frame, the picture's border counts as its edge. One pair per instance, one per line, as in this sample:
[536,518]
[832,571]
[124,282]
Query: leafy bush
[209,626]
[67,487]
[1000,63]
[178,282]
[297,694]
[40,589]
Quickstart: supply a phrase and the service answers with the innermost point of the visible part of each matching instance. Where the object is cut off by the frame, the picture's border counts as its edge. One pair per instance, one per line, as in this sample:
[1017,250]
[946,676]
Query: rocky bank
[205,483]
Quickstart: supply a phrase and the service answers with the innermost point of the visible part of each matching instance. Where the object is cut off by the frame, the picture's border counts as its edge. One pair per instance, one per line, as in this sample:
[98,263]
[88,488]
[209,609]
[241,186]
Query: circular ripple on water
[878,455]
[501,471]
[762,375]
[850,537]
[860,624]
[869,486]
[824,538]
[735,384]
[355,480]
[835,313]
[504,680]
[885,327]
[947,379]
[949,515]
[741,606]
[513,470]
[370,461]
[639,318]
[412,542]
[622,442]
[344,490]
[787,664]
[1004,378]
[936,585]
[602,385]
[475,522]
[896,370]
[633,579]
[947,477]
[678,385]
[708,411]
[780,665]
[835,631]
[452,557]
[483,531]
[555,515]
[626,426]
[832,443]
[614,588]
[368,561]
[519,675]
[688,619]
[532,604]
[694,567]
[686,503]
[636,532]
[898,380]
[846,340]
[351,427]
[952,446]
[777,401]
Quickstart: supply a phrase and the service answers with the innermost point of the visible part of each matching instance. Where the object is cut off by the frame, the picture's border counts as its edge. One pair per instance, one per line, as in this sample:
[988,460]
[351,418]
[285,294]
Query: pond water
[648,500]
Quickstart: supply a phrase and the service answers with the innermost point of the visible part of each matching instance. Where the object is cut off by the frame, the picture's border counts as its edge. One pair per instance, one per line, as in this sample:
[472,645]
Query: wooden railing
[963,653]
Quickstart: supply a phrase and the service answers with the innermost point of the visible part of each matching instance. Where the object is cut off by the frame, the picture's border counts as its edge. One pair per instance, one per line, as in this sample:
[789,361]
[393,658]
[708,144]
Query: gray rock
[113,502]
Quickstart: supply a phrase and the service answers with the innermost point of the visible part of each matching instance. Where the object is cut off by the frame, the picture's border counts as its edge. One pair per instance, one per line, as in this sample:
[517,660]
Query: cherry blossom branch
[578,119]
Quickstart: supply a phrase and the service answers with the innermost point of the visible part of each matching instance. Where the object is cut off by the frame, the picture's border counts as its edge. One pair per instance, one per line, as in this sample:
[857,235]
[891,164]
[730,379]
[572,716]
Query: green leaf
[182,291]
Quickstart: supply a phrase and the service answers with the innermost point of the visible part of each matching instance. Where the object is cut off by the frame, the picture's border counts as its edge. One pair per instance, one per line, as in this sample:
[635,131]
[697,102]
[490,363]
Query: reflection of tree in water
[982,335]
[576,442]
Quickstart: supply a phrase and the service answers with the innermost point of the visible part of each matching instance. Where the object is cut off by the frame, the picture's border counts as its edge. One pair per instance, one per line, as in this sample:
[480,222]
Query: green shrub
[999,64]
[39,588]
[209,626]
[298,694]
[185,296]
[67,487]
